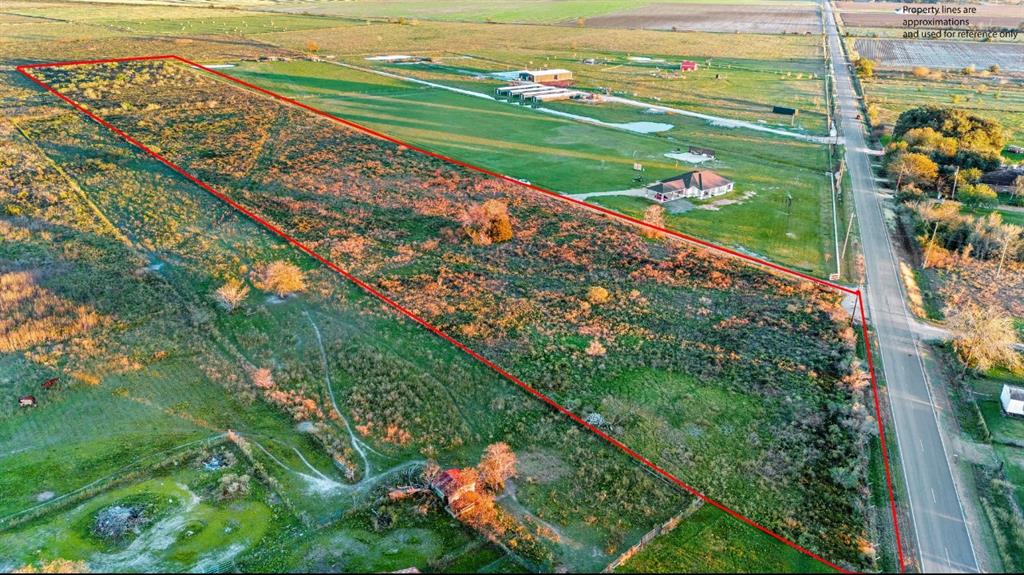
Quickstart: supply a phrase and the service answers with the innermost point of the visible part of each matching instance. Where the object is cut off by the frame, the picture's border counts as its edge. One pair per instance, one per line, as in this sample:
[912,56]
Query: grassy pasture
[192,243]
[710,543]
[404,233]
[510,11]
[737,88]
[996,98]
[573,157]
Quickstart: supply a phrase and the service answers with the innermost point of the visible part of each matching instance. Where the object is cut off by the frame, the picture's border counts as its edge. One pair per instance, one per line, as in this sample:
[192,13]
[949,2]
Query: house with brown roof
[698,184]
[27,401]
[456,489]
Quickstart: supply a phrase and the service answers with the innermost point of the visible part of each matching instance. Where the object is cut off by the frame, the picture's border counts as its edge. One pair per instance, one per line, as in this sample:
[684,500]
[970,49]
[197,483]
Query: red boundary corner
[23,69]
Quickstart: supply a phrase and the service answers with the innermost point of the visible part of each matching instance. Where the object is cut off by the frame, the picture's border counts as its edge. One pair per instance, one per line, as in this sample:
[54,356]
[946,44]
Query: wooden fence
[662,529]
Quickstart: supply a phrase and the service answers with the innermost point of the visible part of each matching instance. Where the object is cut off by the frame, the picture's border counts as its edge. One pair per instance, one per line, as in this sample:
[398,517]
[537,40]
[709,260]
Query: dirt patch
[715,18]
[719,204]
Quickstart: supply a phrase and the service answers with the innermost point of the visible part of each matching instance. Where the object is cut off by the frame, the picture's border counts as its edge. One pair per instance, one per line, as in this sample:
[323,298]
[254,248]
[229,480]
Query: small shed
[50,383]
[27,401]
[785,111]
[1012,400]
[687,66]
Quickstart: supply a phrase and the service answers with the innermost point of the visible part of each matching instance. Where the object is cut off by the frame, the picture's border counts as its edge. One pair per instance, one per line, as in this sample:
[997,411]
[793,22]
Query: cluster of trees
[943,153]
[865,67]
[931,144]
[943,228]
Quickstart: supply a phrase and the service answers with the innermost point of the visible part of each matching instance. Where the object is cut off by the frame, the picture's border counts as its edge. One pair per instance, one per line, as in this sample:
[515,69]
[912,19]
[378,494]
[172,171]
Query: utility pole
[956,177]
[931,243]
[1002,259]
[846,240]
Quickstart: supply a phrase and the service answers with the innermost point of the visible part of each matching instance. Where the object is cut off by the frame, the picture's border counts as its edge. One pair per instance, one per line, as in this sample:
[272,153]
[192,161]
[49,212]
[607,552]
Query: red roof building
[688,66]
[452,484]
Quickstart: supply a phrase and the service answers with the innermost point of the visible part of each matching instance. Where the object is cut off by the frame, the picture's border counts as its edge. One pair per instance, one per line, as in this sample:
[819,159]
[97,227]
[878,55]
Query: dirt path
[358,444]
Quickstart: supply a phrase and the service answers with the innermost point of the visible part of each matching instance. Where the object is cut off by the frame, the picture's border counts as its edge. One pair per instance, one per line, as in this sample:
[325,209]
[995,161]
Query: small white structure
[534,92]
[1012,399]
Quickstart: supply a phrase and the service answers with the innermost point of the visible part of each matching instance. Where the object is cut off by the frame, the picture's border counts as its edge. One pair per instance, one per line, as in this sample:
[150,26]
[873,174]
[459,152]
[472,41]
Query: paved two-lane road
[943,541]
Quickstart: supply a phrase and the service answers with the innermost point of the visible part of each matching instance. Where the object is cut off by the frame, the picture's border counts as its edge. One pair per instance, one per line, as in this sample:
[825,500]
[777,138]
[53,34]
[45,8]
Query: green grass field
[573,157]
[709,542]
[1008,216]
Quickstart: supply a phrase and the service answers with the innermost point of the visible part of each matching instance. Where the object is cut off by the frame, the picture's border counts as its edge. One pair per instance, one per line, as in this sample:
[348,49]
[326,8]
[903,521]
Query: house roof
[700,179]
[1016,393]
[551,71]
[450,481]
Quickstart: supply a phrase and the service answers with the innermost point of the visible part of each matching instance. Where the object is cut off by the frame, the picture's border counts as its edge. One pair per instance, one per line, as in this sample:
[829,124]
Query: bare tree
[984,336]
[282,279]
[231,295]
[654,215]
[497,464]
[1018,187]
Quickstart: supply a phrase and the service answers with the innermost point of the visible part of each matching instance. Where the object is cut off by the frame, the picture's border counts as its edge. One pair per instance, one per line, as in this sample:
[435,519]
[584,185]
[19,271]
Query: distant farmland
[887,15]
[784,18]
[942,54]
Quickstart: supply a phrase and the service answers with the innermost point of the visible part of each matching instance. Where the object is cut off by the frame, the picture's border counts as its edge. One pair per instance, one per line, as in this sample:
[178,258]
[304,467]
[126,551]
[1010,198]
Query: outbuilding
[457,490]
[27,401]
[1012,400]
[554,77]
[687,66]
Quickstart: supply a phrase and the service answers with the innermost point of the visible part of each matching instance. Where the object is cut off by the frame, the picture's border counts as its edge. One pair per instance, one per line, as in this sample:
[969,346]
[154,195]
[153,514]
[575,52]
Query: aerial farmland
[472,286]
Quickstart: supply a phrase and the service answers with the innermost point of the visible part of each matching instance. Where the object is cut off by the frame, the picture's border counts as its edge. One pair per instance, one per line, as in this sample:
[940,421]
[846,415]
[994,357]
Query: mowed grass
[736,88]
[709,541]
[1008,216]
[573,157]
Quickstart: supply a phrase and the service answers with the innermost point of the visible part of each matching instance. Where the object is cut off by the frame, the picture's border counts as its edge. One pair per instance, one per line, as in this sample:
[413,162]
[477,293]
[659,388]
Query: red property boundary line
[23,69]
